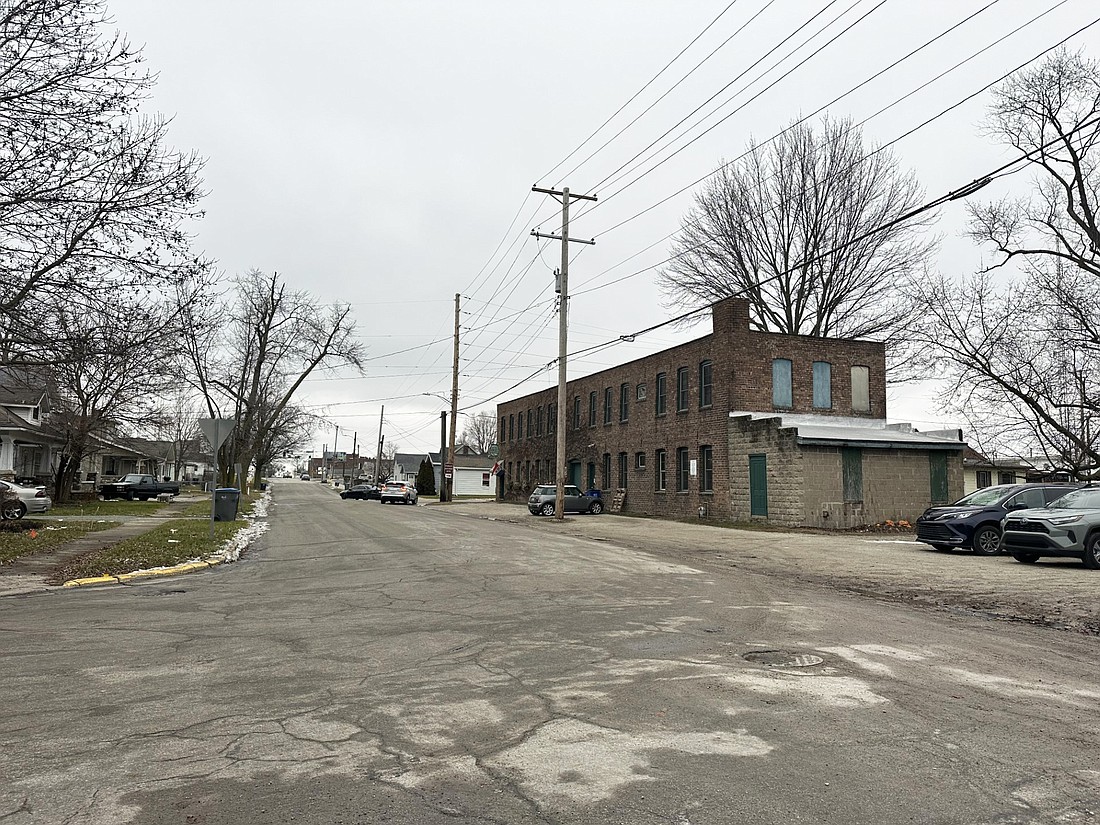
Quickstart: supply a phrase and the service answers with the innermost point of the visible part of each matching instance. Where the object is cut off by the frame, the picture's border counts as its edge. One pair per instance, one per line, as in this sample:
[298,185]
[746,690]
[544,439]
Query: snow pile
[232,549]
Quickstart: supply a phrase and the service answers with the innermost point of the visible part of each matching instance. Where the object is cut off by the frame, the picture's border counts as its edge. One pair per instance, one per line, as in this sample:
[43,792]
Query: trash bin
[226,500]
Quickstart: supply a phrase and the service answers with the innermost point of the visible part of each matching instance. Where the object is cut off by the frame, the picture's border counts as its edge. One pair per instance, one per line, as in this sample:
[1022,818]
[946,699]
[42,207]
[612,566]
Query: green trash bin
[226,501]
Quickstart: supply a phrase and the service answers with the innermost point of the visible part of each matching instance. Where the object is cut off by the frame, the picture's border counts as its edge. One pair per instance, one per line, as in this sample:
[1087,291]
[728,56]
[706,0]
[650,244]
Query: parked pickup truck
[141,487]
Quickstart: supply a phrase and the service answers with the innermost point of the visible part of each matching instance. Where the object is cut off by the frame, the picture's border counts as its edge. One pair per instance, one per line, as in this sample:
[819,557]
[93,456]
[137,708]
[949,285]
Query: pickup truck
[141,487]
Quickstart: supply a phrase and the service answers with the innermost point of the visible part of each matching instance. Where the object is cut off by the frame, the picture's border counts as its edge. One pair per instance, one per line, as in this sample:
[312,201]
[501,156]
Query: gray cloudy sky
[378,153]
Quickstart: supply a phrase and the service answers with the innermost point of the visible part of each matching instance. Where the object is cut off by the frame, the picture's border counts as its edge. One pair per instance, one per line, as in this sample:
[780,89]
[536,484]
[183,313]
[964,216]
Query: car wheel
[1092,552]
[596,508]
[987,541]
[547,509]
[1026,558]
[13,510]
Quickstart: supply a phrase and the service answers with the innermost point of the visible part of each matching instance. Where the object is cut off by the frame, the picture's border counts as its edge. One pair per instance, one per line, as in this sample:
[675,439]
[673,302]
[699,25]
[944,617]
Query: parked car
[974,521]
[16,500]
[139,486]
[1068,527]
[544,500]
[398,491]
[304,476]
[362,491]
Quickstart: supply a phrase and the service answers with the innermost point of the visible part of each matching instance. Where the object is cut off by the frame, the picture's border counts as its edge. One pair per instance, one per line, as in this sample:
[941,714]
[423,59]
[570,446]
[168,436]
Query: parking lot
[1058,593]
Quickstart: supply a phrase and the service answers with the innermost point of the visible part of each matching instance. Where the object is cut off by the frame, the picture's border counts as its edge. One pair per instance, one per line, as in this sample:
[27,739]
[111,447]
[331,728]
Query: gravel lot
[1057,593]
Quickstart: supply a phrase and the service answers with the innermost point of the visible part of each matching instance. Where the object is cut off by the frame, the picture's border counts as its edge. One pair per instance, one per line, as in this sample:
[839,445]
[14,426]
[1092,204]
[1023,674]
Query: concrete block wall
[785,470]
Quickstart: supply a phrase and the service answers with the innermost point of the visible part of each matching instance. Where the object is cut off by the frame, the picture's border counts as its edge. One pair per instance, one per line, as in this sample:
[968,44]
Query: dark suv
[974,521]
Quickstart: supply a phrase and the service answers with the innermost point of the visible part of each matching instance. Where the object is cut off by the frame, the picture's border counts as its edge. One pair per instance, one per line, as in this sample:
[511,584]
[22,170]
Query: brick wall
[741,363]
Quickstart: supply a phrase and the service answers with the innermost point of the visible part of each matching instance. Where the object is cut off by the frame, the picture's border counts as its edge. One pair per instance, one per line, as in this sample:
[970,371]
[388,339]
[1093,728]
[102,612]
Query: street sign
[448,470]
[216,430]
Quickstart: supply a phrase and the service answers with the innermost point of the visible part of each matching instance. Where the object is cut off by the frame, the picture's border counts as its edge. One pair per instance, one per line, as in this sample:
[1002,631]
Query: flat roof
[840,431]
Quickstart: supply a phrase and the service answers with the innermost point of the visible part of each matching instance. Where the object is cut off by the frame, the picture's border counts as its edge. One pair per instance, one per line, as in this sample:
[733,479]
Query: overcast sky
[383,154]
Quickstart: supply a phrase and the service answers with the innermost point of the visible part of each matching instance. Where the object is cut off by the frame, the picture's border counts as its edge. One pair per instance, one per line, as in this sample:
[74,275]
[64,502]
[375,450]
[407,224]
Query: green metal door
[575,473]
[937,466]
[591,475]
[758,485]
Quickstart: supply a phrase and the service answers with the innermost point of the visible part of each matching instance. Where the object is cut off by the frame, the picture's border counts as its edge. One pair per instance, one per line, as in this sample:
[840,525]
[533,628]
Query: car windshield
[987,495]
[546,491]
[1086,499]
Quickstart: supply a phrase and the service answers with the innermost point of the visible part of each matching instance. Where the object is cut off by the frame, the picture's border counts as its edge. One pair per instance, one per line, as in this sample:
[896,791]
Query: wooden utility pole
[450,482]
[442,454]
[378,455]
[563,330]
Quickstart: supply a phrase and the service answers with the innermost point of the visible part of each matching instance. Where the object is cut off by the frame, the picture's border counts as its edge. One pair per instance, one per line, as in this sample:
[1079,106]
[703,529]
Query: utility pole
[450,482]
[378,455]
[563,328]
[354,451]
[442,454]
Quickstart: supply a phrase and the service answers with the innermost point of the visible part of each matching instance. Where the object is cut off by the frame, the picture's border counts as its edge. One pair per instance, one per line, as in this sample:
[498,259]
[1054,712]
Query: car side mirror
[1019,505]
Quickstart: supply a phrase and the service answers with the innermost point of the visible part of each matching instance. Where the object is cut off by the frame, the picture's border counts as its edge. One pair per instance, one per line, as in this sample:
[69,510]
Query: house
[737,425]
[473,473]
[406,466]
[28,444]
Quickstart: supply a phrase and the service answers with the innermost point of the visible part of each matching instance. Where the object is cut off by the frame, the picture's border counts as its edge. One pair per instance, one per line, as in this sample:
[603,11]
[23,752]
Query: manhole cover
[782,658]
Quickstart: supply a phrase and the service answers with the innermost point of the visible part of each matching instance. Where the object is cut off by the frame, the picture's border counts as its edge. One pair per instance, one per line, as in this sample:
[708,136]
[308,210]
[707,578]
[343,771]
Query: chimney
[729,316]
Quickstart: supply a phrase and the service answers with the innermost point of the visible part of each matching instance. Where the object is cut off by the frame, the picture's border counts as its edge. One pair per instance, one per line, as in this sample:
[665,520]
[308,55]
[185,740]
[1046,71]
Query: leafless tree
[249,360]
[91,196]
[480,432]
[789,228]
[113,365]
[1023,360]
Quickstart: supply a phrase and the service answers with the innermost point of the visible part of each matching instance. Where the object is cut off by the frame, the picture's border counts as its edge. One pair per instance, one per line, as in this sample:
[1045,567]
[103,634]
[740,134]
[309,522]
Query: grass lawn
[107,508]
[175,541]
[28,536]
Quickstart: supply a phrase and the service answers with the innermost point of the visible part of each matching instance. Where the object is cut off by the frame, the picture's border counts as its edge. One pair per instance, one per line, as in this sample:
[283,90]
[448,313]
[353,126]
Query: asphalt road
[383,664]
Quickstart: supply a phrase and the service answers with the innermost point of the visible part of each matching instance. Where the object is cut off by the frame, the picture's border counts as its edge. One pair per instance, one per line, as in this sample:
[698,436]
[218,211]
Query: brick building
[737,425]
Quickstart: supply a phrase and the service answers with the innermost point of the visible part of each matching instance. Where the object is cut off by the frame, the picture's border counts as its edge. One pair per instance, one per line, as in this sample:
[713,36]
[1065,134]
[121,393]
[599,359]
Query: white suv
[398,491]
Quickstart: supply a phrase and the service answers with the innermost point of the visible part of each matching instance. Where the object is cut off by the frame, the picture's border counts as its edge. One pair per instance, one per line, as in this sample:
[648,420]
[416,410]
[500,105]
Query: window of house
[484,479]
[639,461]
[823,385]
[512,427]
[608,400]
[34,414]
[538,425]
[519,429]
[538,471]
[682,467]
[622,470]
[659,393]
[985,478]
[660,467]
[706,389]
[639,392]
[527,472]
[781,383]
[861,389]
[576,412]
[510,476]
[530,423]
[1007,478]
[592,409]
[706,469]
[624,402]
[551,418]
[681,389]
[851,460]
[502,431]
[605,478]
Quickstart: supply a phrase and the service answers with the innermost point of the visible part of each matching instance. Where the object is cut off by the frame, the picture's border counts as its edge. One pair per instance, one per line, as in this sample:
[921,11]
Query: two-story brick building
[737,425]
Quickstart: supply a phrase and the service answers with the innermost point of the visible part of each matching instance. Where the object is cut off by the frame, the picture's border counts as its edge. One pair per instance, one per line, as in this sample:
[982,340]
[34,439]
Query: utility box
[226,501]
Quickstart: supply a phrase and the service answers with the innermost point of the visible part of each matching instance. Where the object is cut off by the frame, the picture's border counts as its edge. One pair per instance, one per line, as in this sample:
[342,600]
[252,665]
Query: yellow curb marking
[91,580]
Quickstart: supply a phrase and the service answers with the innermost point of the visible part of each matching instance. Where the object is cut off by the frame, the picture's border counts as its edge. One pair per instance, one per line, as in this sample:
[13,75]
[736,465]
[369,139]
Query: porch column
[7,457]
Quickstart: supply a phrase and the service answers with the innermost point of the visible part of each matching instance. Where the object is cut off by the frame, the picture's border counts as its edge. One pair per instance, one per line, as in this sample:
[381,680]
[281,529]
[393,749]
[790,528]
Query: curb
[121,578]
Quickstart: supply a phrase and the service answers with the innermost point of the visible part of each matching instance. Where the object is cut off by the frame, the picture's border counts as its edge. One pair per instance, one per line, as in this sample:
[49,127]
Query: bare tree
[1023,361]
[786,228]
[249,360]
[91,197]
[480,432]
[113,363]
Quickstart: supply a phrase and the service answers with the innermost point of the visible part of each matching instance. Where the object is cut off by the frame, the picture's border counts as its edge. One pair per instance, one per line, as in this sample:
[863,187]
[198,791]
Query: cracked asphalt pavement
[469,664]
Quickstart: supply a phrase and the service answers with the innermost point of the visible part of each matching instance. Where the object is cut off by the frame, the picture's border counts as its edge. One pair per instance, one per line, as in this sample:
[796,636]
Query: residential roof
[19,390]
[474,462]
[839,431]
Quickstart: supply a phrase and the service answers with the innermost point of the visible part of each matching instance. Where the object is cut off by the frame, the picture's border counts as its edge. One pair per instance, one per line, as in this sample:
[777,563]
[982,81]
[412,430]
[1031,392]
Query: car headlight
[1065,519]
[948,516]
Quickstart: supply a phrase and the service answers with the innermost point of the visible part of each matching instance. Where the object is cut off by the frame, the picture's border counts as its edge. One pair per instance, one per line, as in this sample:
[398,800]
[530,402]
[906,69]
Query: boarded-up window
[861,389]
[823,385]
[851,460]
[937,466]
[781,383]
